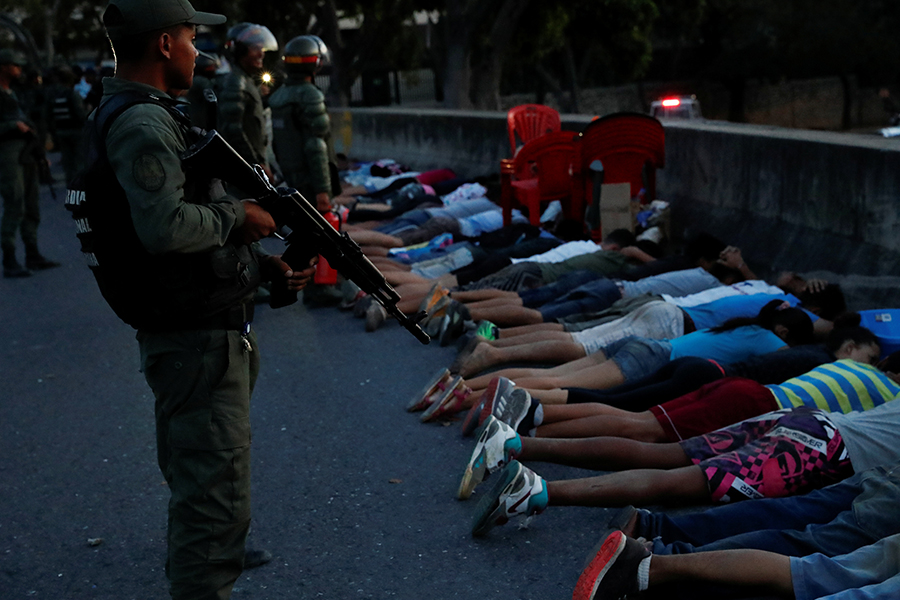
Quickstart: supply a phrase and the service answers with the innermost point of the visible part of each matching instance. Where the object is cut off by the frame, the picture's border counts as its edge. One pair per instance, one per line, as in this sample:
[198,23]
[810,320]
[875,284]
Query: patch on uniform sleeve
[148,172]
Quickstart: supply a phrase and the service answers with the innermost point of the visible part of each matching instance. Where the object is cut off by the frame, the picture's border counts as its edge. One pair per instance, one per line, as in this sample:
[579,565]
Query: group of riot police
[304,157]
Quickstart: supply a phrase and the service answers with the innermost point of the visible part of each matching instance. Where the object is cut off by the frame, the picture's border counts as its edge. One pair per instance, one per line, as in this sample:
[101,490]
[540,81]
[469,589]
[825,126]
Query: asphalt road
[352,495]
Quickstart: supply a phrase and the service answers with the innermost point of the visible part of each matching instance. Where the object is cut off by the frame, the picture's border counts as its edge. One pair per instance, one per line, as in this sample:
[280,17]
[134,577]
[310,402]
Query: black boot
[36,261]
[11,267]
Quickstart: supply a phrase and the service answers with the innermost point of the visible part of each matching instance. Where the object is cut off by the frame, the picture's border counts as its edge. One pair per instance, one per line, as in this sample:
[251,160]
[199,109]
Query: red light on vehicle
[670,102]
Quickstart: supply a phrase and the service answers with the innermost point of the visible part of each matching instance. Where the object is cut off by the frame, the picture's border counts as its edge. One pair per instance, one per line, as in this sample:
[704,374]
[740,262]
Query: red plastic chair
[530,121]
[629,145]
[540,172]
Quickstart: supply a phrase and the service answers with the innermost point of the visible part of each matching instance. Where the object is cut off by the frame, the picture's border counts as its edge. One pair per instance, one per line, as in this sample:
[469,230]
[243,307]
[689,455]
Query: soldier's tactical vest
[163,292]
[62,111]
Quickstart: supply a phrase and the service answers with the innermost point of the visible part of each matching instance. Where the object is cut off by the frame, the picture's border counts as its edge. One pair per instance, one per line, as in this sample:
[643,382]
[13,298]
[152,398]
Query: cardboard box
[616,211]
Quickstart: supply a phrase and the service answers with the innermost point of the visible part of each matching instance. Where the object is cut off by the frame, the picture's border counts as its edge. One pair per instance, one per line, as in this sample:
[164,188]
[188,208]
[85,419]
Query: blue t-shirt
[715,313]
[727,347]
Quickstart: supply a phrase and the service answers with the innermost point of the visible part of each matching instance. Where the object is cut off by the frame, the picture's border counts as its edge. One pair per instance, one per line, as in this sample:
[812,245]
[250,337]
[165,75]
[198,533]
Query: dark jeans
[677,378]
[599,294]
[559,288]
[821,521]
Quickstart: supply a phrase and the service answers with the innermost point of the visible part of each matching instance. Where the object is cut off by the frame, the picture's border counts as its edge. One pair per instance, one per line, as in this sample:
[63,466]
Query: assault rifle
[310,234]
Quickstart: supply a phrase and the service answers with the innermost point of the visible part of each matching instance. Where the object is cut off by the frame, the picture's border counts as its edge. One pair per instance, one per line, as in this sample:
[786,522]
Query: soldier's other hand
[23,127]
[296,280]
[323,202]
[258,223]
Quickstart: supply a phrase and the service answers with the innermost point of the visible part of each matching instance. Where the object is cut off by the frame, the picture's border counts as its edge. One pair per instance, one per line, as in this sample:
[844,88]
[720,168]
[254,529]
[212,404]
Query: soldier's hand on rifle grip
[295,280]
[258,223]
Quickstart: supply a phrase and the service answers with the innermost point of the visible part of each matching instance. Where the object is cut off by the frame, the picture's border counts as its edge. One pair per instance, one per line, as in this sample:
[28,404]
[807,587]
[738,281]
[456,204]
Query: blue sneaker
[518,491]
[497,445]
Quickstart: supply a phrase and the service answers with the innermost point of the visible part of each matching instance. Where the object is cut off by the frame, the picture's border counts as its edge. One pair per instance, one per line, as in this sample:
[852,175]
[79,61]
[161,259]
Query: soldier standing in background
[19,184]
[301,132]
[65,116]
[300,125]
[204,79]
[241,118]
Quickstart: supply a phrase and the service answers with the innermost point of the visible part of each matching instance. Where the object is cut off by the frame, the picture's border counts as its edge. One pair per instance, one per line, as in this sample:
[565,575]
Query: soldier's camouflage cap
[8,56]
[131,17]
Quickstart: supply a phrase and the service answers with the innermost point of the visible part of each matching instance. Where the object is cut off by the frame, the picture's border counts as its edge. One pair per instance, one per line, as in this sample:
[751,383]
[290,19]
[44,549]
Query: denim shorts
[638,357]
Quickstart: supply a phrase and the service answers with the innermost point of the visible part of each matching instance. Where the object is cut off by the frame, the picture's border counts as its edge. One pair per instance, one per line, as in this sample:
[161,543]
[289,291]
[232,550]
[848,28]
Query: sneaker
[362,305]
[39,262]
[497,445]
[454,322]
[256,558]
[15,270]
[519,410]
[614,569]
[626,520]
[477,415]
[518,491]
[434,319]
[448,403]
[437,382]
[487,330]
[436,292]
[376,315]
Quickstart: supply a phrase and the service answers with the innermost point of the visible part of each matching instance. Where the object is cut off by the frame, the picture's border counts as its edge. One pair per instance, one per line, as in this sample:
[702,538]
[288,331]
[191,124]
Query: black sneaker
[39,262]
[256,558]
[612,569]
[15,270]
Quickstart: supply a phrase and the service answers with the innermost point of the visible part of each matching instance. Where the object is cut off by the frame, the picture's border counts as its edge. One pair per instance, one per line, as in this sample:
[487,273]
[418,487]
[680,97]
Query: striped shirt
[842,386]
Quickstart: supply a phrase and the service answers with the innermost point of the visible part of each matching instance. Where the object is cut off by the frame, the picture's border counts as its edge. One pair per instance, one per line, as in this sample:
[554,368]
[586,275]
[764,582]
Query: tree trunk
[341,82]
[49,30]
[489,70]
[456,62]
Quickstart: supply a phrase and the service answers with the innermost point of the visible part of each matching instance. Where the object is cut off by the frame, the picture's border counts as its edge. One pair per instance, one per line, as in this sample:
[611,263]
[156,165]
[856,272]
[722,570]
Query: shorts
[638,357]
[654,320]
[781,453]
[713,406]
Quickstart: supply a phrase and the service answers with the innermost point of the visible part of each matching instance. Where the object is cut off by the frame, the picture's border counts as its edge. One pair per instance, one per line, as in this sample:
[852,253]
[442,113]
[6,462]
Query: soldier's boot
[11,267]
[36,261]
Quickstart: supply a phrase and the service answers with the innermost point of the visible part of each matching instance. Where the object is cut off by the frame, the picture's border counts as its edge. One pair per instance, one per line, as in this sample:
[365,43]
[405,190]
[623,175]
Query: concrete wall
[793,199]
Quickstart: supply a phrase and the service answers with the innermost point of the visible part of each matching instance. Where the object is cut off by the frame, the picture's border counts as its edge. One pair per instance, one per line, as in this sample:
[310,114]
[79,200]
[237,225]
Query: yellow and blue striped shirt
[842,386]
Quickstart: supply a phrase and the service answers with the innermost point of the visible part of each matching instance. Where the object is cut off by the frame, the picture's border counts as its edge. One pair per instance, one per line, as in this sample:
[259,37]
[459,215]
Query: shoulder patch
[148,172]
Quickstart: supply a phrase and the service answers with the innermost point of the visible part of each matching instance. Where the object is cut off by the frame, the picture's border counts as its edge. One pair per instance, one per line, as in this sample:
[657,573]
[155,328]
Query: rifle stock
[310,234]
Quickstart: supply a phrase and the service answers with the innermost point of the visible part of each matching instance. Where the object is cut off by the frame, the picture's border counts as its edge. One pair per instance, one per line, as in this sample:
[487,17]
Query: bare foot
[480,359]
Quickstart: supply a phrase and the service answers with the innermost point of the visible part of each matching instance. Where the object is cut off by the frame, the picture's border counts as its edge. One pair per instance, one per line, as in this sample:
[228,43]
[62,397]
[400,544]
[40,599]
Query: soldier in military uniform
[242,121]
[204,79]
[20,150]
[301,128]
[301,138]
[65,117]
[173,257]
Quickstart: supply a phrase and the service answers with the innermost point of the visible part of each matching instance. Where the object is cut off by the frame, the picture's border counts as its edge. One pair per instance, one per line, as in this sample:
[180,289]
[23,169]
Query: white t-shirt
[872,437]
[562,252]
[746,288]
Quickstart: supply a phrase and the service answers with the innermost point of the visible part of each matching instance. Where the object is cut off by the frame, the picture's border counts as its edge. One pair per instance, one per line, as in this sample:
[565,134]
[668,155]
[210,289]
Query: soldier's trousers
[19,187]
[202,381]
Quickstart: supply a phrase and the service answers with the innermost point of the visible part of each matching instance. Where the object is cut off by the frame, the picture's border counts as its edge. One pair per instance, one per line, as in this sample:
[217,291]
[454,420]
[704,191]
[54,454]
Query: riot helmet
[306,55]
[244,35]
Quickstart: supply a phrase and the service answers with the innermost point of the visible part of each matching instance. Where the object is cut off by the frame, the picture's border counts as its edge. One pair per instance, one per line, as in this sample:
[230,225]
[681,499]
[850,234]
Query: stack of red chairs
[554,165]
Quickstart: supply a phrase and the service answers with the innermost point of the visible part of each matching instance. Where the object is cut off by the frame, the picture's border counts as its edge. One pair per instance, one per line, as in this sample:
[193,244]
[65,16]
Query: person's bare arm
[731,257]
[636,253]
